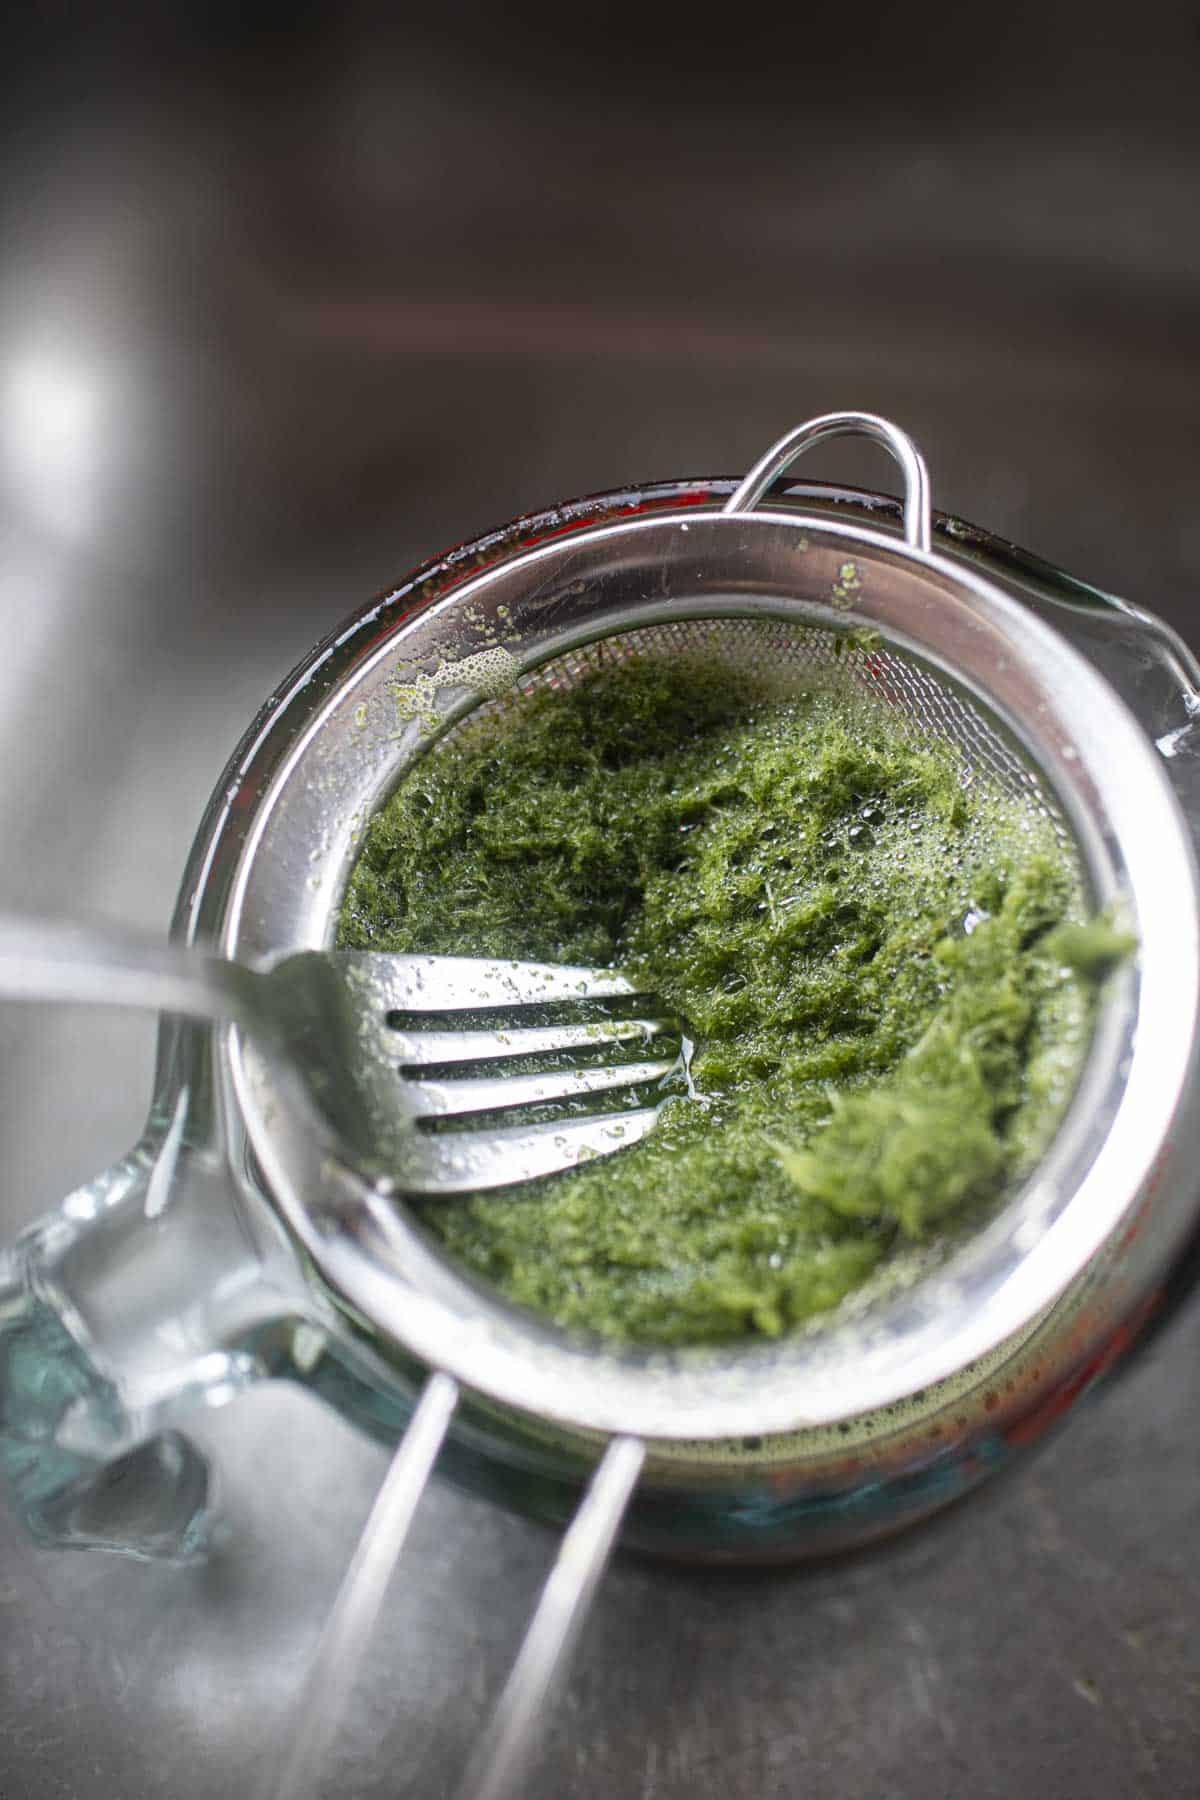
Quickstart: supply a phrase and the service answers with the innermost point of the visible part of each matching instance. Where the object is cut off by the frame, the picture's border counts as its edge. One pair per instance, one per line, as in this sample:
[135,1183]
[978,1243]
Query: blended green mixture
[879,958]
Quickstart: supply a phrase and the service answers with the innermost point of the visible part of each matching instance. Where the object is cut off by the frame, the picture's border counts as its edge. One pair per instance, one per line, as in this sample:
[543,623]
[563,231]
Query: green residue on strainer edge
[884,963]
[488,672]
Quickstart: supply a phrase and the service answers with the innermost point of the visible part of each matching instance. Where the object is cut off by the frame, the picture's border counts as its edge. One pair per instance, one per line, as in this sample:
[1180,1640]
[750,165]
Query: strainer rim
[337,1256]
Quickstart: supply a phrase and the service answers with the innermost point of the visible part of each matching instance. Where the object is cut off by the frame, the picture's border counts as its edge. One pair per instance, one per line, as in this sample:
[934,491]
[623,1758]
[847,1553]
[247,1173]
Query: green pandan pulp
[883,965]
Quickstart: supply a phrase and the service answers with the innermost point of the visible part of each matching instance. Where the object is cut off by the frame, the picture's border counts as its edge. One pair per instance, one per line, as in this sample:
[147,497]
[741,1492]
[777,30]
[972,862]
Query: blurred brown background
[290,300]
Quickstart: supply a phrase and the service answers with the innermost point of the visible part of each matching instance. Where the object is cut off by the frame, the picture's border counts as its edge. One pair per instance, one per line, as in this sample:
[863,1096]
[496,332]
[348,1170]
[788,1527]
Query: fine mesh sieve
[774,662]
[788,600]
[778,660]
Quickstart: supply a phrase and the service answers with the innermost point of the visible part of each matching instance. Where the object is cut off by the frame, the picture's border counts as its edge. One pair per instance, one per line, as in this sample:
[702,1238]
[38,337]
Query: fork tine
[420,1049]
[461,1162]
[443,1099]
[462,983]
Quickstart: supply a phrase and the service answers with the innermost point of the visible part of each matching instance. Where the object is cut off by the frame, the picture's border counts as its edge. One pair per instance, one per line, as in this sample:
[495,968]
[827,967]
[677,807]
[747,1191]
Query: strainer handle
[503,1754]
[781,456]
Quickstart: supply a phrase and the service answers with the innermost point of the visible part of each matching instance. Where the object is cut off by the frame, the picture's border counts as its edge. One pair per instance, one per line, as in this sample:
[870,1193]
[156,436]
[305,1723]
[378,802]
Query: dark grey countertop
[276,322]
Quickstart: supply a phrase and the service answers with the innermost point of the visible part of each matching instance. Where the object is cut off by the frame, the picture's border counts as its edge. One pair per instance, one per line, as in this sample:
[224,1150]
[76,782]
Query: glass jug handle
[151,1290]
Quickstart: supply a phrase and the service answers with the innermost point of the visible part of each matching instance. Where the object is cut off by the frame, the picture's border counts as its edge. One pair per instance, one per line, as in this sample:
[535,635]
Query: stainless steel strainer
[167,1280]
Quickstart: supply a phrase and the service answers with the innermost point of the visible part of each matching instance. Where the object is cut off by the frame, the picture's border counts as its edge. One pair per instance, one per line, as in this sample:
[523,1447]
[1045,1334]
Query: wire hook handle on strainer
[780,457]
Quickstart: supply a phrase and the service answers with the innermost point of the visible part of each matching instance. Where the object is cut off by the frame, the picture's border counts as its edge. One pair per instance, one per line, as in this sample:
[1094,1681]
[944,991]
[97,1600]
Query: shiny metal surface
[257,389]
[779,458]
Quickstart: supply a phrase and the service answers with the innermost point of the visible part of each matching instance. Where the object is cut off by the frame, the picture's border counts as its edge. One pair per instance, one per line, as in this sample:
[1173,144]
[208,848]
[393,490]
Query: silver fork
[391,1050]
[399,1052]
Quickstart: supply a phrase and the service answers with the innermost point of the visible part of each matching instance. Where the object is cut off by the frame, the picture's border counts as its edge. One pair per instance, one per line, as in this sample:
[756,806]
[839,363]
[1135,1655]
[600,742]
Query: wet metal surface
[277,320]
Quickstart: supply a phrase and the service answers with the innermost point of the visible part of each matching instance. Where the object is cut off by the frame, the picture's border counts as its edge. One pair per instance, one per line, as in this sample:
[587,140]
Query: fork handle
[53,960]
